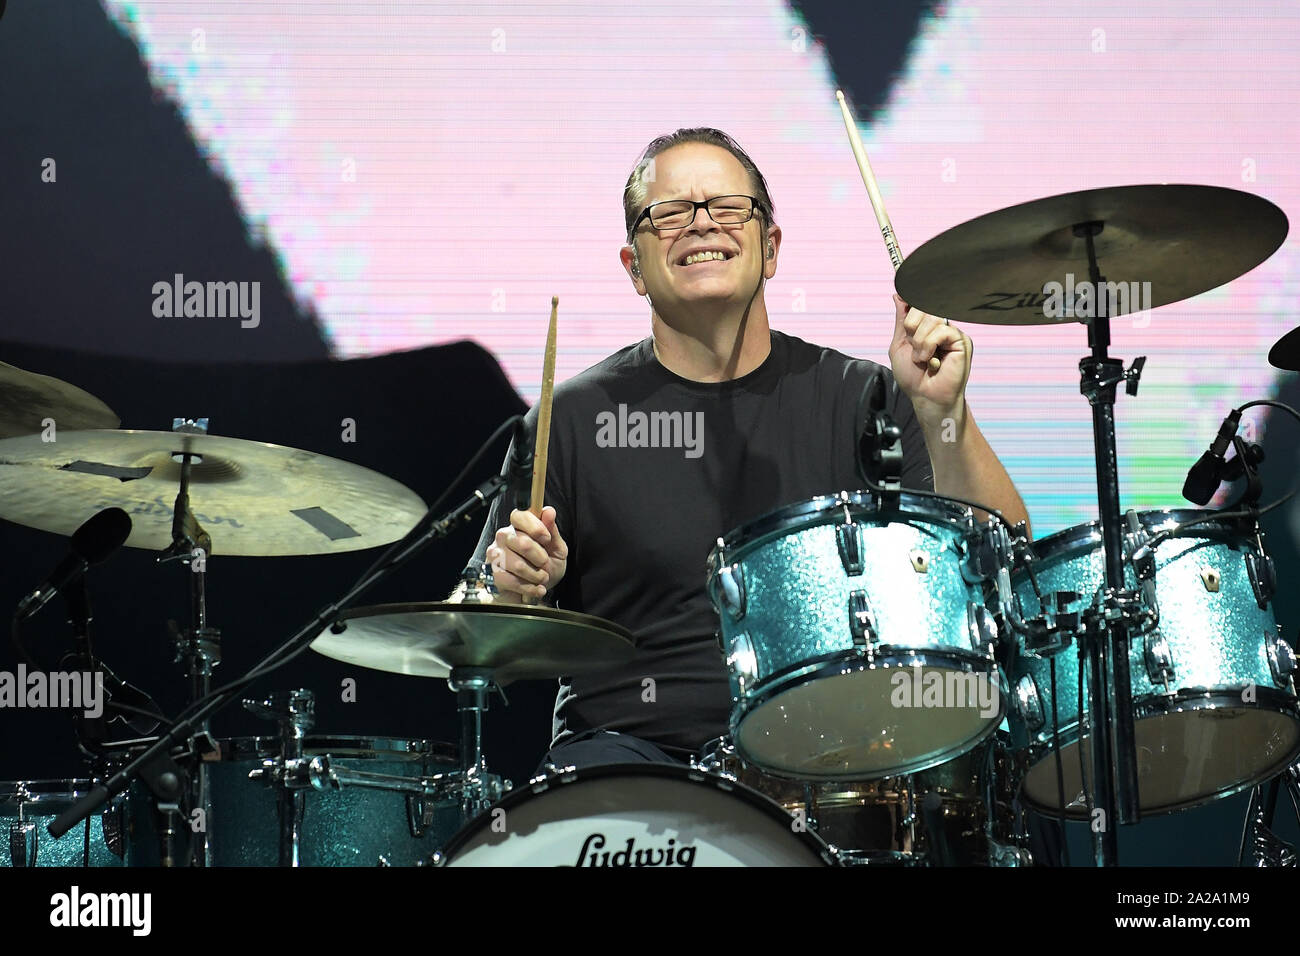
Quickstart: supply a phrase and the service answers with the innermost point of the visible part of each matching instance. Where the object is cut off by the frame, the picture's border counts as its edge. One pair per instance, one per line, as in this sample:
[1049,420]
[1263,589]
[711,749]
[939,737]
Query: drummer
[713,420]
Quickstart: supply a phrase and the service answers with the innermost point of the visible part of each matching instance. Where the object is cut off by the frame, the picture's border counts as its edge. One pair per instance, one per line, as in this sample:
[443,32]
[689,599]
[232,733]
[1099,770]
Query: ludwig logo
[630,855]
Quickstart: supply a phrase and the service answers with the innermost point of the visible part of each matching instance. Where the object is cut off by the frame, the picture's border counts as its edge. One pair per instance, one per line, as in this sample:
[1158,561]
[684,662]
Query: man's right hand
[528,558]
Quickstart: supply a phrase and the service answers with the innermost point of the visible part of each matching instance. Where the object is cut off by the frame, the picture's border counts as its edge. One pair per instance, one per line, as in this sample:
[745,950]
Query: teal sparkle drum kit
[908,673]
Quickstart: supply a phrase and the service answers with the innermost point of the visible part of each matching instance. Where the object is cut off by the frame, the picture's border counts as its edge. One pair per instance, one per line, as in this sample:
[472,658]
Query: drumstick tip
[555,300]
[839,95]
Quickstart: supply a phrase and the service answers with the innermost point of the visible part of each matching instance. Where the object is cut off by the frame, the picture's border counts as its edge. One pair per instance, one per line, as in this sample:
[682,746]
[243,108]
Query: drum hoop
[827,509]
[1073,539]
[342,746]
[34,792]
[1268,699]
[540,786]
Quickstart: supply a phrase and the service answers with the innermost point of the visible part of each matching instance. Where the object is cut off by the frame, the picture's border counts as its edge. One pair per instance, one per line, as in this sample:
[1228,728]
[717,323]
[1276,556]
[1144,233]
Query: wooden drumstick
[544,416]
[877,203]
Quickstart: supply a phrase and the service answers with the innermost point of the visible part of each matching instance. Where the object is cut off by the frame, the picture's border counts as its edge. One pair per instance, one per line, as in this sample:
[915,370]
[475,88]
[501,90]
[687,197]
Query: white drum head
[636,815]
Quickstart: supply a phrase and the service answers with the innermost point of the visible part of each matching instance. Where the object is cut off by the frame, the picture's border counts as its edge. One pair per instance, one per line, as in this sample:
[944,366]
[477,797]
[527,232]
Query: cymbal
[1285,353]
[1182,240]
[517,641]
[28,398]
[253,498]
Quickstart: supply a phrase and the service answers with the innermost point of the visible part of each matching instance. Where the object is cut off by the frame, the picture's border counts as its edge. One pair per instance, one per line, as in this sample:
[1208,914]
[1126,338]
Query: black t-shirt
[647,470]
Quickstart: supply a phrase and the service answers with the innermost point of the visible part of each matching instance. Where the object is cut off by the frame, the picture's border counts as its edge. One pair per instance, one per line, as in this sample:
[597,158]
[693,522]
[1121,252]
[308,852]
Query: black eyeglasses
[679,213]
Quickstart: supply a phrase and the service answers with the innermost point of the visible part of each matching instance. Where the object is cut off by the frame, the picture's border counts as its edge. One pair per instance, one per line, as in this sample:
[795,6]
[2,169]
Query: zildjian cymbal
[1156,245]
[253,498]
[515,641]
[28,400]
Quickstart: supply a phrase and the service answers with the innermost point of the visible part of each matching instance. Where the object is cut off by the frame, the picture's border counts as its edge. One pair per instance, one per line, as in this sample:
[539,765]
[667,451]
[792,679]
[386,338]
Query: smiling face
[702,264]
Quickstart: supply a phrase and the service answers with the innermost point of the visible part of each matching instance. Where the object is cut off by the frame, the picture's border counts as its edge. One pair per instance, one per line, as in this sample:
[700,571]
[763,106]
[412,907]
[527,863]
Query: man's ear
[771,249]
[627,255]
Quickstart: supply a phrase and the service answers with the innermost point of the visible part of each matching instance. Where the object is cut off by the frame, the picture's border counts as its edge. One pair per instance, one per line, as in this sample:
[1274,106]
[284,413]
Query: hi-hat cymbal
[1173,241]
[516,641]
[253,498]
[28,399]
[1285,353]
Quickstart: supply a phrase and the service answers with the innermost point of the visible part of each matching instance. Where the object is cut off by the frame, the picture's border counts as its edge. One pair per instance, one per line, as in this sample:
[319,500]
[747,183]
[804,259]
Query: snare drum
[644,814]
[27,807]
[857,639]
[1215,709]
[353,826]
[959,813]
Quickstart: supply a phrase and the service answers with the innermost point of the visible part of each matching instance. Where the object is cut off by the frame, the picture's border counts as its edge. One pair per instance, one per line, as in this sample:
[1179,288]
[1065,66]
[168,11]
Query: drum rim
[1069,539]
[1268,699]
[768,689]
[342,746]
[813,512]
[568,776]
[80,787]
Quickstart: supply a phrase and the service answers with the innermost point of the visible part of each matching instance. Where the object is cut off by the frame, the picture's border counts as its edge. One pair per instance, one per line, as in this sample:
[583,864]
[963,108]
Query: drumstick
[877,203]
[544,416]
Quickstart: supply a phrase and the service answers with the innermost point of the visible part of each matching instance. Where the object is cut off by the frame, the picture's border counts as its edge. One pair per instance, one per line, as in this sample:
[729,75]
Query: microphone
[1204,477]
[94,541]
[519,470]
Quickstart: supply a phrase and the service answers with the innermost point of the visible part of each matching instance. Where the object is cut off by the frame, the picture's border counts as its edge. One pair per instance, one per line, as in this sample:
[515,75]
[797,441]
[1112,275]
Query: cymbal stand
[1105,639]
[198,647]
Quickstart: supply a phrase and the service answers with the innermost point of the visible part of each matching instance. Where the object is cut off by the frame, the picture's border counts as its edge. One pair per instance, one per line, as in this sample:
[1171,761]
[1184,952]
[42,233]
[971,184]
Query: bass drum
[627,815]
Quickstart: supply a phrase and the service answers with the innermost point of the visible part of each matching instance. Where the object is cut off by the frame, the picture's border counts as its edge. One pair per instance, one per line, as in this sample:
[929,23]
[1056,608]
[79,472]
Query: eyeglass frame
[756,208]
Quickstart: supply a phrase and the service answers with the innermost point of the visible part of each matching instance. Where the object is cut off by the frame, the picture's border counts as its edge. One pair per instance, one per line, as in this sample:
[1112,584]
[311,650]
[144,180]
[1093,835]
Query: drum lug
[1159,660]
[1263,578]
[1281,659]
[23,844]
[731,579]
[1211,578]
[741,661]
[862,624]
[920,561]
[419,814]
[1028,704]
[848,538]
[981,627]
[114,827]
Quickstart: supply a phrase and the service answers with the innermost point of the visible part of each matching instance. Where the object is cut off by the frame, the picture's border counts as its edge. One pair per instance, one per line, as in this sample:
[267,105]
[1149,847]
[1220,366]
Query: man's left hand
[917,338]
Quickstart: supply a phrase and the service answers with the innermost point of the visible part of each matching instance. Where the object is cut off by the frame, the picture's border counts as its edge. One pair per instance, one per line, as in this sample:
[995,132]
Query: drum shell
[354,826]
[784,592]
[1214,634]
[882,822]
[39,801]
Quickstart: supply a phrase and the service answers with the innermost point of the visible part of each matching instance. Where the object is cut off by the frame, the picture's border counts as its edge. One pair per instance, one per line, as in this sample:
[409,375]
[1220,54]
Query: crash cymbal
[1285,353]
[27,399]
[253,498]
[518,642]
[1182,240]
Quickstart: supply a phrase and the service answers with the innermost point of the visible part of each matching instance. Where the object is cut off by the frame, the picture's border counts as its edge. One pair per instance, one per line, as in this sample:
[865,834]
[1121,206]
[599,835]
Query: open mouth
[705,255]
